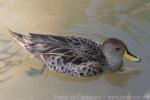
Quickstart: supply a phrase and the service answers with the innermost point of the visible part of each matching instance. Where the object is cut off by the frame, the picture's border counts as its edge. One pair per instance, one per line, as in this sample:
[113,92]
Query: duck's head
[114,50]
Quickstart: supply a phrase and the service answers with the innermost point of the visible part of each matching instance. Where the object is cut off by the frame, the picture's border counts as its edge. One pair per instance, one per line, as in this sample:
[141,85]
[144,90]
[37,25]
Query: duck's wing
[71,49]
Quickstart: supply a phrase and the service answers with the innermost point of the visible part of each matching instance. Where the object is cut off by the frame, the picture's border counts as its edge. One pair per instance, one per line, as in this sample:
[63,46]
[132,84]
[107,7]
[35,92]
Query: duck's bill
[127,55]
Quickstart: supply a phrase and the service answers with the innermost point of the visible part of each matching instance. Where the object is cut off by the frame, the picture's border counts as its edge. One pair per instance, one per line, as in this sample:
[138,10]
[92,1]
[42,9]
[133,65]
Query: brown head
[114,50]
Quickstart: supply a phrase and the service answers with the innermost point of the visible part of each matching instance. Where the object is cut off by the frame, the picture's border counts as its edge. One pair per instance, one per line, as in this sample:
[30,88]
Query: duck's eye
[117,49]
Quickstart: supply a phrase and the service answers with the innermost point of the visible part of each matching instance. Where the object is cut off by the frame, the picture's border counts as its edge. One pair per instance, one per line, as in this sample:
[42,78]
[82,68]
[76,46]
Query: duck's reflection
[120,78]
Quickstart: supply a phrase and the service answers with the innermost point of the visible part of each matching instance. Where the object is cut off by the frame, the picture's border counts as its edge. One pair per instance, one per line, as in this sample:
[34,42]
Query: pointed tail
[18,37]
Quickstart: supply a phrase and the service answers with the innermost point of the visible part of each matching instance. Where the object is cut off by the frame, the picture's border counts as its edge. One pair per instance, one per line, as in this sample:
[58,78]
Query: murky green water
[128,20]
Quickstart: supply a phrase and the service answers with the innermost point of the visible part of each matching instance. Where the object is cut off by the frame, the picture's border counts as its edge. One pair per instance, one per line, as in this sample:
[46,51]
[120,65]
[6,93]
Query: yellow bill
[127,55]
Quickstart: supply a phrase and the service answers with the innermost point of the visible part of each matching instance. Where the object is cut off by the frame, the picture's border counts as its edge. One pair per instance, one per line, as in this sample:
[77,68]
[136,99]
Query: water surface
[128,20]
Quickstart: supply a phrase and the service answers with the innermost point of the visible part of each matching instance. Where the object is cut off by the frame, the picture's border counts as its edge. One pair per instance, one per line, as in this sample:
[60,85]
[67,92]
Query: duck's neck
[114,63]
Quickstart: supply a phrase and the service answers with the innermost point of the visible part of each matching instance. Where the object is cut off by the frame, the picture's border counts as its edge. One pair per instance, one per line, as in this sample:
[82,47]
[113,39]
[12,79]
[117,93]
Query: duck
[76,56]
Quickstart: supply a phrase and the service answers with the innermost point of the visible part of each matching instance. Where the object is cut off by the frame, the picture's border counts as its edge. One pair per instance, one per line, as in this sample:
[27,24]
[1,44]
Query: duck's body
[70,55]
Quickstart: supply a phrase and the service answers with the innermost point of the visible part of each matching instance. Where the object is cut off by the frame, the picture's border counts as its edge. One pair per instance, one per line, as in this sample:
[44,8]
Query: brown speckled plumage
[69,55]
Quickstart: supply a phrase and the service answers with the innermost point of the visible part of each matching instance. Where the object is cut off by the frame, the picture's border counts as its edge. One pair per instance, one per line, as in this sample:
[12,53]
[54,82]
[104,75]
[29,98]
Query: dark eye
[117,49]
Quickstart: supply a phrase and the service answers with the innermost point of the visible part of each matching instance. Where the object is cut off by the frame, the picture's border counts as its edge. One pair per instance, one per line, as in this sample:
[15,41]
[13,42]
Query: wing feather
[71,49]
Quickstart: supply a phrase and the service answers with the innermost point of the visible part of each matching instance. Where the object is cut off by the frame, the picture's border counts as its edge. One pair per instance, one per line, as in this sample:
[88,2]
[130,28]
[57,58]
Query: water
[128,20]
